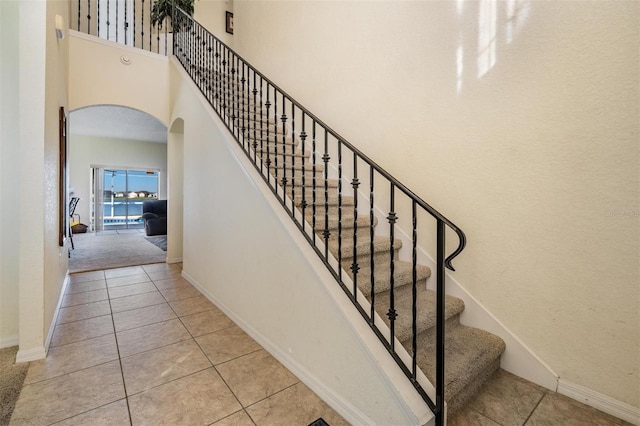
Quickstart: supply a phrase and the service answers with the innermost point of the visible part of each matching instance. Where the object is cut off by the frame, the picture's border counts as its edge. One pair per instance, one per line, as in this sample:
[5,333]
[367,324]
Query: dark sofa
[154,213]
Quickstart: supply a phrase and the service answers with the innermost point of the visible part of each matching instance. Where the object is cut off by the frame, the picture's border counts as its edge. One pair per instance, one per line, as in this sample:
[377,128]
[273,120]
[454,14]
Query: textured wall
[9,154]
[517,119]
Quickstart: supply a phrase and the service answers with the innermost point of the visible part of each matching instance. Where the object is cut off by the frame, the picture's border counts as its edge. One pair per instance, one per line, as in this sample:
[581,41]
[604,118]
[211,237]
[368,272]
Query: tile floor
[507,400]
[141,346]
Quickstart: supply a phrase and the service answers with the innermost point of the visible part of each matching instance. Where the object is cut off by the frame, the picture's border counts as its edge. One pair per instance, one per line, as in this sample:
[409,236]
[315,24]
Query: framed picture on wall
[63,200]
[229,22]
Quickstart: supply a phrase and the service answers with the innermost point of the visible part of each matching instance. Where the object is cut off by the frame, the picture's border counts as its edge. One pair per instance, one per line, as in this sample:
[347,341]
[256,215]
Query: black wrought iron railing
[128,22]
[339,199]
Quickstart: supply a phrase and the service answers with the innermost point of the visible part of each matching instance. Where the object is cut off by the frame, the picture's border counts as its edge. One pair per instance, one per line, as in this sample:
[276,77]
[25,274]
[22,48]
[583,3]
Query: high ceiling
[117,122]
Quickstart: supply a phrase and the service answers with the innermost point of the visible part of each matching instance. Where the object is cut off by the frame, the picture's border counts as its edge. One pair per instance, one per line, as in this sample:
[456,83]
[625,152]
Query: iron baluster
[303,139]
[440,258]
[109,20]
[325,159]
[414,292]
[268,163]
[284,180]
[340,210]
[293,158]
[371,259]
[89,15]
[313,184]
[354,265]
[392,314]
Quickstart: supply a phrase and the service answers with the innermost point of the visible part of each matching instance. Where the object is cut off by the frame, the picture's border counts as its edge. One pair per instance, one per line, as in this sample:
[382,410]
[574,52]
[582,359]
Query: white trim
[7,342]
[348,411]
[604,403]
[517,358]
[174,259]
[52,327]
[31,354]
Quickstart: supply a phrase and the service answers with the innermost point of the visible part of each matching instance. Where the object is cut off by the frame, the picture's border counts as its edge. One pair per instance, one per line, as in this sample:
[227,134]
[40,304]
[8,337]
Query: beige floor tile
[114,414]
[192,305]
[507,399]
[171,283]
[80,312]
[85,286]
[130,290]
[62,397]
[86,276]
[178,293]
[128,280]
[227,344]
[142,316]
[83,298]
[123,272]
[200,398]
[155,267]
[149,369]
[165,274]
[240,418]
[206,322]
[77,356]
[82,330]
[556,409]
[255,376]
[136,301]
[296,405]
[152,336]
[469,417]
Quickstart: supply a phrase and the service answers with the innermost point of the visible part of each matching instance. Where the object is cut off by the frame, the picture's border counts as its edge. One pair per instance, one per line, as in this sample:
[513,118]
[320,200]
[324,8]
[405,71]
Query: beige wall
[211,14]
[9,154]
[101,78]
[87,151]
[522,129]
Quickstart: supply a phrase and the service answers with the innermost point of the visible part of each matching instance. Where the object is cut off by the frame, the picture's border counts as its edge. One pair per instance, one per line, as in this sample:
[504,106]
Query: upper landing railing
[127,22]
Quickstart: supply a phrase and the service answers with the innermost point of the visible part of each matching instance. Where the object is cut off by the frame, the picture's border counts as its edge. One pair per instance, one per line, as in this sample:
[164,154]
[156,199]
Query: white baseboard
[7,342]
[344,408]
[600,402]
[52,327]
[174,259]
[33,354]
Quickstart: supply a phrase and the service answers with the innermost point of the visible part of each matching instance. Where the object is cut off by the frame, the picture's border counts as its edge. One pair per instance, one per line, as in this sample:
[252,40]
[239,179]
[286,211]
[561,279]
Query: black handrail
[254,109]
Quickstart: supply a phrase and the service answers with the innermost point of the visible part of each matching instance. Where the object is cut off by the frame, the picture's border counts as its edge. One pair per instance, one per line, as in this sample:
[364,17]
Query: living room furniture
[154,213]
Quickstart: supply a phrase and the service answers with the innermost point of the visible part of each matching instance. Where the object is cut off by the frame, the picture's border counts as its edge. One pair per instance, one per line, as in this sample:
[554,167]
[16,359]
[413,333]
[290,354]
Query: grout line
[124,383]
[535,408]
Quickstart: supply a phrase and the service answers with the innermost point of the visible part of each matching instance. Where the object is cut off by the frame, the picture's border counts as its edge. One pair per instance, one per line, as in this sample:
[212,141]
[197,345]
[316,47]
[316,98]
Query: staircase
[317,176]
[472,355]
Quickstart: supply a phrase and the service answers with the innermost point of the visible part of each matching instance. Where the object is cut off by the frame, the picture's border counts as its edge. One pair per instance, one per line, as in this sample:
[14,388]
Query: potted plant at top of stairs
[162,9]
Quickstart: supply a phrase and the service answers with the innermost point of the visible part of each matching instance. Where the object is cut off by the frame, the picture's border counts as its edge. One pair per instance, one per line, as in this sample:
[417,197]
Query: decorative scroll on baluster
[392,314]
[355,183]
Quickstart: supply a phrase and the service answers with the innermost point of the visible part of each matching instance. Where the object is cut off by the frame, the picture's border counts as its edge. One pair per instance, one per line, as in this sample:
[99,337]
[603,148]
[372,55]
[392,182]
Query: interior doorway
[118,194]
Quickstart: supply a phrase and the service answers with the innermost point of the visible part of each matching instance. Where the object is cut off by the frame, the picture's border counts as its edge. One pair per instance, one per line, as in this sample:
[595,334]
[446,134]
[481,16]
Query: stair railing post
[440,349]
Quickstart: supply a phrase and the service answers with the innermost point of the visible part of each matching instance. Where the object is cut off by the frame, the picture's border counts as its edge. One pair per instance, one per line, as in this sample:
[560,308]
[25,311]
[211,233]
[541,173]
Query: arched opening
[117,163]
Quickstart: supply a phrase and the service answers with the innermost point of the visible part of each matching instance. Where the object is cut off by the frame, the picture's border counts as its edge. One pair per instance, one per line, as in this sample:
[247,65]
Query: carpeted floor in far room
[113,249]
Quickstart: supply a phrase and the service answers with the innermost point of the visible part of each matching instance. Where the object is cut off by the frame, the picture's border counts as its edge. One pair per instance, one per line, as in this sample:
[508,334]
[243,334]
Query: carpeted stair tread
[332,199]
[402,276]
[471,356]
[363,248]
[426,310]
[347,220]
